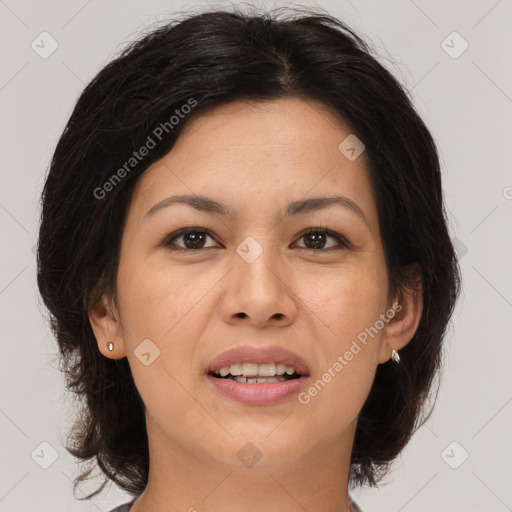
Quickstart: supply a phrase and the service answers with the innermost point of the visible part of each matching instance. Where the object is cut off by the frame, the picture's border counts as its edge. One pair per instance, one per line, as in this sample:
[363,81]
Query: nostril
[240,315]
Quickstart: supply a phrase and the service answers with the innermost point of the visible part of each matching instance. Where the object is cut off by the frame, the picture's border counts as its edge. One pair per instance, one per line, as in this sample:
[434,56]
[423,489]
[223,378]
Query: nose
[259,293]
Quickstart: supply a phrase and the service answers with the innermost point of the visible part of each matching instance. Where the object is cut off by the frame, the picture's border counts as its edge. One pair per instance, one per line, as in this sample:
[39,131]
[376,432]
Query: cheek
[348,301]
[158,300]
[349,304]
[165,306]
[170,307]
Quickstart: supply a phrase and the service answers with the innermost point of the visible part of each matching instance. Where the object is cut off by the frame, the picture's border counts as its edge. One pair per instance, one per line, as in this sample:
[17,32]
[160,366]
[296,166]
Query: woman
[244,252]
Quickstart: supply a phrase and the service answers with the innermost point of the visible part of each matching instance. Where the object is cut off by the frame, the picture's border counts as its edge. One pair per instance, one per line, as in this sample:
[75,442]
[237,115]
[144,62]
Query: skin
[254,157]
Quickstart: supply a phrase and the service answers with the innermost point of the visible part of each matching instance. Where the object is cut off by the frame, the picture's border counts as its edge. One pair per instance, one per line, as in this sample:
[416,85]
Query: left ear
[106,326]
[407,307]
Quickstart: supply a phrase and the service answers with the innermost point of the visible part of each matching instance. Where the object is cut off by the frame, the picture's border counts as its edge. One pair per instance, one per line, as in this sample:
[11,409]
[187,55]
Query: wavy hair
[216,57]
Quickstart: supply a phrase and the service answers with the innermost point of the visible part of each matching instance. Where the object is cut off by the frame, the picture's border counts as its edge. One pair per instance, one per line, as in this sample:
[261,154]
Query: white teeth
[250,369]
[271,379]
[256,370]
[235,369]
[257,380]
[267,370]
[280,368]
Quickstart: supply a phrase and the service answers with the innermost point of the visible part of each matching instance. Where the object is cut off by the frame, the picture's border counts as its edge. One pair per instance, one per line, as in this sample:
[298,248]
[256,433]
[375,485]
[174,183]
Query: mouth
[258,374]
[253,361]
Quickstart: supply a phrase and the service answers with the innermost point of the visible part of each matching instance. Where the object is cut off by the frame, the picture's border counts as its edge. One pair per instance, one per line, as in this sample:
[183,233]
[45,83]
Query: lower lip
[257,394]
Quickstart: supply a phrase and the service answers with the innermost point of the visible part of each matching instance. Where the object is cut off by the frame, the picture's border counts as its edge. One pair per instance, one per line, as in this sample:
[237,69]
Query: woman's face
[322,296]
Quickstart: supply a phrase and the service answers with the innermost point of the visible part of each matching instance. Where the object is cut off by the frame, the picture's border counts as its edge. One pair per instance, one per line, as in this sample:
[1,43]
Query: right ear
[107,328]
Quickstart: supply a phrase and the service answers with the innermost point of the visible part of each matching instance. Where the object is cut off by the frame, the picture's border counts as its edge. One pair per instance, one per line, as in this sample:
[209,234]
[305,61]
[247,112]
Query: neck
[181,480]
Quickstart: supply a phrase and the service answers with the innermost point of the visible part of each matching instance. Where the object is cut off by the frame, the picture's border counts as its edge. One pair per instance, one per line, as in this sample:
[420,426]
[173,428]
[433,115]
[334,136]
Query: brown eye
[192,238]
[317,238]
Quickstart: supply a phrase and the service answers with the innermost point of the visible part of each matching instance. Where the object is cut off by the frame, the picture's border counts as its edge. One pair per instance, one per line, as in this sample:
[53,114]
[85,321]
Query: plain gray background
[465,99]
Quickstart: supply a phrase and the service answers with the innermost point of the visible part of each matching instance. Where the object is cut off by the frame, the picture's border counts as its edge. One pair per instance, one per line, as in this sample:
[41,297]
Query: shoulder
[123,508]
[126,506]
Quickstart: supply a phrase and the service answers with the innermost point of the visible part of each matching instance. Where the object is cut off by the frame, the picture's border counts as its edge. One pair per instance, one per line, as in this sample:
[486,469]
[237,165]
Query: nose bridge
[258,264]
[258,287]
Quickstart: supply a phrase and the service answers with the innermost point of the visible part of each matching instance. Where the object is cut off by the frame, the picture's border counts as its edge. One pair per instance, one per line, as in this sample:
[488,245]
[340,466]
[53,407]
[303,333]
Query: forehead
[277,127]
[265,151]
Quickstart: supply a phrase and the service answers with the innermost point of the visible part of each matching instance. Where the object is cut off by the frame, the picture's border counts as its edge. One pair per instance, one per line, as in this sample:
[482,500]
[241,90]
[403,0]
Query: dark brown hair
[216,57]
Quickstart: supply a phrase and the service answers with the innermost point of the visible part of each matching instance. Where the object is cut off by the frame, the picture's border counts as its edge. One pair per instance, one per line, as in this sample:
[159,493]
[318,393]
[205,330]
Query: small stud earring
[395,356]
[111,346]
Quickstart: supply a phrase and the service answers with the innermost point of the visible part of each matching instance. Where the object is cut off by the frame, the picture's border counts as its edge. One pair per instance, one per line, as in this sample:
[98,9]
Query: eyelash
[167,242]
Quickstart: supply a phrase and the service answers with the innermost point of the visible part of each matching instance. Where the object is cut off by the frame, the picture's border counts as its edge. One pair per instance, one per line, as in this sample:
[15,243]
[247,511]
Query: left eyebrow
[320,203]
[201,203]
[209,205]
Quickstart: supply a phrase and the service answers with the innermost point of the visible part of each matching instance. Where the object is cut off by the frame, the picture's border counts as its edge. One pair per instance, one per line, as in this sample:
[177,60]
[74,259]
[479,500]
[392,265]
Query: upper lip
[258,354]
